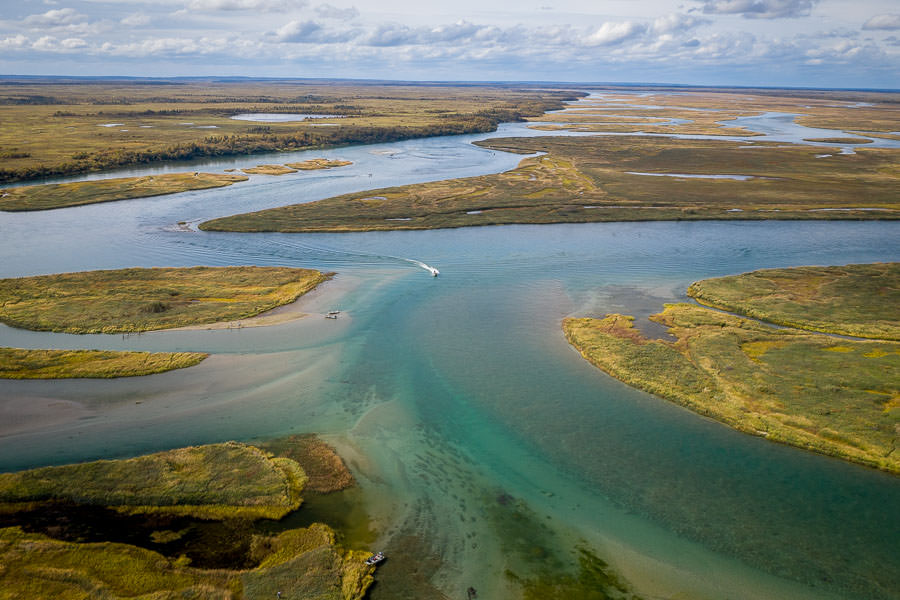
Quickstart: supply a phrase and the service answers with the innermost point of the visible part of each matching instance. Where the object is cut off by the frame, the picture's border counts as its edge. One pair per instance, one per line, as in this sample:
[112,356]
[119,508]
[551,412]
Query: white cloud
[311,32]
[677,22]
[327,11]
[46,44]
[888,22]
[613,33]
[55,18]
[135,20]
[255,5]
[73,43]
[759,9]
[14,42]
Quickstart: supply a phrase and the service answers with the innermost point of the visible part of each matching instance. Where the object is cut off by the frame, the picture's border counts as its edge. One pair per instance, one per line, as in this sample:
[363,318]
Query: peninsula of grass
[229,480]
[594,179]
[856,300]
[61,195]
[835,396]
[18,363]
[134,300]
[314,164]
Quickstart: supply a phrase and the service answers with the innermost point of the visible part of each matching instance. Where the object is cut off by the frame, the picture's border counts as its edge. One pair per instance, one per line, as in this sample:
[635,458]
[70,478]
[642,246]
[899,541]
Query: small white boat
[375,559]
[330,316]
[334,312]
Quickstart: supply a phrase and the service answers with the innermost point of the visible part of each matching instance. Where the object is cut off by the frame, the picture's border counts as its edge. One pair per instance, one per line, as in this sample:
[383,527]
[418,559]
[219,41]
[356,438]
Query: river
[470,424]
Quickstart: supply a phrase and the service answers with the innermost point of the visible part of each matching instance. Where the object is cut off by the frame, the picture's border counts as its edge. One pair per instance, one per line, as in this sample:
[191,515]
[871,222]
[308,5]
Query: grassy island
[177,509]
[62,195]
[593,179]
[269,170]
[132,300]
[19,363]
[836,396]
[315,164]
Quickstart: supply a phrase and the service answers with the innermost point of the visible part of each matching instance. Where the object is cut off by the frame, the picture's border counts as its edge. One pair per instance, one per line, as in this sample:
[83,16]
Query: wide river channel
[479,438]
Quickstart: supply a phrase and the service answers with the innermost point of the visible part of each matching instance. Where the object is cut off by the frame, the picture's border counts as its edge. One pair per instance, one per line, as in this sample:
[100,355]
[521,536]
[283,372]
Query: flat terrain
[61,195]
[52,127]
[131,300]
[214,481]
[711,112]
[216,491]
[857,300]
[18,363]
[832,395]
[592,179]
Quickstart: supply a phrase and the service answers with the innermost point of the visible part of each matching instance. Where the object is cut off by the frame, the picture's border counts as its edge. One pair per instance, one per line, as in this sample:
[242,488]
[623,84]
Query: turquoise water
[469,422]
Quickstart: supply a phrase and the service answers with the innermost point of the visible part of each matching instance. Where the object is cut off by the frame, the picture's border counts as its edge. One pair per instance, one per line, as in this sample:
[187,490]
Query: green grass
[233,482]
[18,363]
[857,300]
[61,195]
[130,300]
[305,563]
[835,396]
[326,470]
[56,128]
[590,179]
[214,481]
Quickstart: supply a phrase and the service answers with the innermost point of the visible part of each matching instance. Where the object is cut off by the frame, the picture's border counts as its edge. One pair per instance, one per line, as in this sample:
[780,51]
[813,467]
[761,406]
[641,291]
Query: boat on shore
[375,559]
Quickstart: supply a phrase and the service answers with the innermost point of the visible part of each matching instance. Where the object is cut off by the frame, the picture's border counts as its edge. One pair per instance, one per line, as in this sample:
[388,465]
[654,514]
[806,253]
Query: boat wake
[324,252]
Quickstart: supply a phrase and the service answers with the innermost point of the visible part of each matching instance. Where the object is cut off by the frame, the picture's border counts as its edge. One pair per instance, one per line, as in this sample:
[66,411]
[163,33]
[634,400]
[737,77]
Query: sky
[797,43]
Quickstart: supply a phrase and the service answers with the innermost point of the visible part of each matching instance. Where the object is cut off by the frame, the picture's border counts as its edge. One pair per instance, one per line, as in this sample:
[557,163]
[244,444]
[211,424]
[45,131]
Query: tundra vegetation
[207,489]
[315,164]
[61,195]
[55,127]
[833,395]
[269,170]
[19,363]
[134,300]
[592,179]
[701,111]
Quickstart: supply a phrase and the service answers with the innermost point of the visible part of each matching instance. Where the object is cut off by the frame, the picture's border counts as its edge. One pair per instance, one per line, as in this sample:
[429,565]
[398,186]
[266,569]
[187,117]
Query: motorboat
[434,272]
[375,559]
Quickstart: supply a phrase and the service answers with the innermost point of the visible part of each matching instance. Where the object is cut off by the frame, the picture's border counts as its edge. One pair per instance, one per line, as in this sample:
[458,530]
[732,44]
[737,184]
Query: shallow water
[470,423]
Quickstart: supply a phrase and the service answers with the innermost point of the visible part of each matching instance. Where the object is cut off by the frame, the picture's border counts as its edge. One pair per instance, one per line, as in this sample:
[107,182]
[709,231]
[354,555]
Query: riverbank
[135,300]
[62,128]
[830,395]
[181,520]
[62,195]
[604,178]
